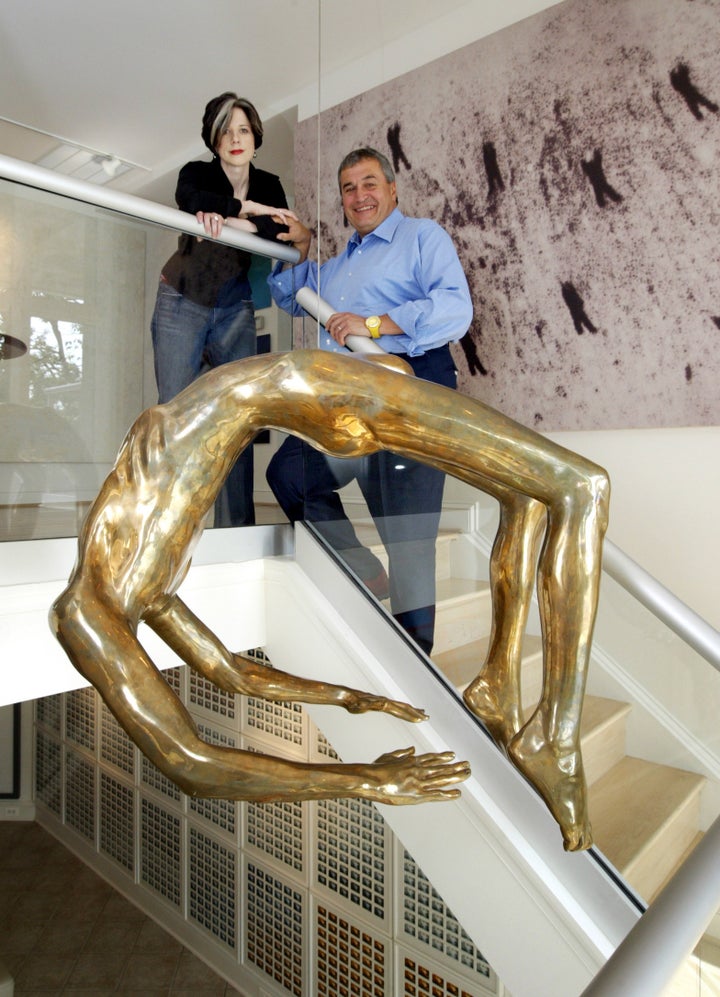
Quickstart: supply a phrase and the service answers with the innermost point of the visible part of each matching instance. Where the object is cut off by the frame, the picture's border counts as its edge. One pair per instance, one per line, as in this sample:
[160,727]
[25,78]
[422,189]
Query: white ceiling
[131,79]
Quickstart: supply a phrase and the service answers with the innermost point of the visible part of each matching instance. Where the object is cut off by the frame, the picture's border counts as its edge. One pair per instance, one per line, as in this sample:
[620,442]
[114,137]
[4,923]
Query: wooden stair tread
[459,589]
[697,838]
[598,712]
[602,735]
[461,664]
[368,535]
[633,802]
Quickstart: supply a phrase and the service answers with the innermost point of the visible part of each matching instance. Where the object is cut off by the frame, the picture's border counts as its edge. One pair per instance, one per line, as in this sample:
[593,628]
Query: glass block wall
[281,898]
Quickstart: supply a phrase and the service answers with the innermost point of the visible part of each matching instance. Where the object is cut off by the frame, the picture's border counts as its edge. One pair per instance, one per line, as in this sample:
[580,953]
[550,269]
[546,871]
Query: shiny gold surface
[137,542]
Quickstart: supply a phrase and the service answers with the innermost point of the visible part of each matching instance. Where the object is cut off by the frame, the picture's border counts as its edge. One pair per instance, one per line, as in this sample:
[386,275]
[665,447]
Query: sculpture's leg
[547,748]
[495,695]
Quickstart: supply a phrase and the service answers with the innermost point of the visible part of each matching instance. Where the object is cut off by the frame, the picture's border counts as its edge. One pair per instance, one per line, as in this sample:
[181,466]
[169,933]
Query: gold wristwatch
[372,324]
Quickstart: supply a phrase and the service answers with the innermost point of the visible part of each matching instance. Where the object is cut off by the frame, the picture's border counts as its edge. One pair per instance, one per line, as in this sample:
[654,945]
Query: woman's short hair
[216,119]
[357,156]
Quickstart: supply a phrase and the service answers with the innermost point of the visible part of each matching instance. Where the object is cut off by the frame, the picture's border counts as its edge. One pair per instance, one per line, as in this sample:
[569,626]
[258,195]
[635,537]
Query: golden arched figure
[137,542]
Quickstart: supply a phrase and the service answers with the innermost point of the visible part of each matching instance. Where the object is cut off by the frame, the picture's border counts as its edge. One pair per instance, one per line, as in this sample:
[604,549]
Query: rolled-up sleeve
[284,283]
[442,311]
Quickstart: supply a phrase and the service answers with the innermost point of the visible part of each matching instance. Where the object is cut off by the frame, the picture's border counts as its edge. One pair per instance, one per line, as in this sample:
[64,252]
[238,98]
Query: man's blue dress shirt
[406,268]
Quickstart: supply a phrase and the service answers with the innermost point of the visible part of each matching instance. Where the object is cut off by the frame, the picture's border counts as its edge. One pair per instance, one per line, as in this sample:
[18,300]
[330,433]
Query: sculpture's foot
[559,777]
[501,715]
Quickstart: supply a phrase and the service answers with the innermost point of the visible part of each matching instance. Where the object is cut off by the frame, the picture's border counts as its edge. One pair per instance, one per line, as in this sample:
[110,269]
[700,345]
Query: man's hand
[340,325]
[297,234]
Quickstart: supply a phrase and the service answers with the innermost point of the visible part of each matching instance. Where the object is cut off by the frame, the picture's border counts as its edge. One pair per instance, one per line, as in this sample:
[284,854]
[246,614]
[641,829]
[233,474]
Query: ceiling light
[80,161]
[111,165]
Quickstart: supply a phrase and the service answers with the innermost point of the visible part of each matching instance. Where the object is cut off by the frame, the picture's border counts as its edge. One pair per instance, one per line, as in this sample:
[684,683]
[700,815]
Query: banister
[137,207]
[656,947]
[673,612]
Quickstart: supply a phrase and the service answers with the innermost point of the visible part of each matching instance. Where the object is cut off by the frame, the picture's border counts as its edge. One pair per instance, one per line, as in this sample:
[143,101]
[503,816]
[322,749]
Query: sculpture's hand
[401,777]
[355,701]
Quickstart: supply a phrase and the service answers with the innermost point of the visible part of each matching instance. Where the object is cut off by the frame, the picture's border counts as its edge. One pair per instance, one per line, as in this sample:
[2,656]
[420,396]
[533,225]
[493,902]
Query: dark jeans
[404,498]
[188,339]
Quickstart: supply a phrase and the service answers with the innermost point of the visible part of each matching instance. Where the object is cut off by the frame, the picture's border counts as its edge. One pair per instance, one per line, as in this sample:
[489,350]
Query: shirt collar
[385,230]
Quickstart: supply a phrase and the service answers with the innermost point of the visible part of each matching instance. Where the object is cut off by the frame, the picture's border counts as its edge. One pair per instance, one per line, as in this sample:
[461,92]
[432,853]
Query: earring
[254,155]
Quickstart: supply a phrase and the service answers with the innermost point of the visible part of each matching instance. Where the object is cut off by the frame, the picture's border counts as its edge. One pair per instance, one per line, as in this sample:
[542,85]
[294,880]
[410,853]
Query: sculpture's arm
[200,648]
[105,649]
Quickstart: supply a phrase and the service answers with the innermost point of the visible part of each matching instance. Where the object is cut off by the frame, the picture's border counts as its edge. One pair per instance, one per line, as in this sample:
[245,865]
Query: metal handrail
[655,949]
[665,936]
[137,207]
[673,612]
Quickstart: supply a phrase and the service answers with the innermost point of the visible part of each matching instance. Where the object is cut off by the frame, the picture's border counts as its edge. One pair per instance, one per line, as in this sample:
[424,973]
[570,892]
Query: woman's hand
[244,224]
[211,222]
[280,215]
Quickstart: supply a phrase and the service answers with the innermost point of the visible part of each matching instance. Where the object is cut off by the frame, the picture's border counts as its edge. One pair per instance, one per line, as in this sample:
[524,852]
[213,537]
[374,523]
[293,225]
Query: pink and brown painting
[574,158]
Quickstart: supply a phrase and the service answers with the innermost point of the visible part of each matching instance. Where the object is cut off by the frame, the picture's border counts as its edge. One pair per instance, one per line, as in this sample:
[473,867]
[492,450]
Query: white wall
[664,505]
[460,26]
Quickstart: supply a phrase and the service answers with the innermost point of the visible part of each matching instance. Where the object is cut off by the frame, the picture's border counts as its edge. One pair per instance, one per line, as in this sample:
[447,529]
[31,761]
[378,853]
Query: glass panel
[650,737]
[77,291]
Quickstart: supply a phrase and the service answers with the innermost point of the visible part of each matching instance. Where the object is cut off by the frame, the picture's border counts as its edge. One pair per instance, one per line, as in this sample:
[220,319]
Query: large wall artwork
[575,160]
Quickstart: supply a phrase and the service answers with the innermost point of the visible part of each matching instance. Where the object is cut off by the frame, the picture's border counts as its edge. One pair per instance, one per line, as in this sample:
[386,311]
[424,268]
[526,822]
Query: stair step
[462,663]
[462,612]
[644,816]
[603,720]
[603,733]
[697,838]
[368,535]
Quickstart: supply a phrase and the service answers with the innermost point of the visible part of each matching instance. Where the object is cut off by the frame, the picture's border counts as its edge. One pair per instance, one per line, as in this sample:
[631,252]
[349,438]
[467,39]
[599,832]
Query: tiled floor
[63,930]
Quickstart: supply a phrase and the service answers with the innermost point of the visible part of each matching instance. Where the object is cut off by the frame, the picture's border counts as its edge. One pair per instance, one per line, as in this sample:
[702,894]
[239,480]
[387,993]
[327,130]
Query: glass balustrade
[77,291]
[649,729]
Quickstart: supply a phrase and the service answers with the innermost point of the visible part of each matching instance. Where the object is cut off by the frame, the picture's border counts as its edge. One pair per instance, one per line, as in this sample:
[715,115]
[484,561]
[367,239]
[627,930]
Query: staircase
[645,815]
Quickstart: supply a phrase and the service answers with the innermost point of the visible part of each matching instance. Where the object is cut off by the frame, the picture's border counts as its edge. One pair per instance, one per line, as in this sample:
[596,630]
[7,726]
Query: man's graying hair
[357,156]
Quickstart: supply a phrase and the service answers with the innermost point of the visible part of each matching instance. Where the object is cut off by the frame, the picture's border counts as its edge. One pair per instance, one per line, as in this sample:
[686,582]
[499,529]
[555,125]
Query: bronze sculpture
[137,542]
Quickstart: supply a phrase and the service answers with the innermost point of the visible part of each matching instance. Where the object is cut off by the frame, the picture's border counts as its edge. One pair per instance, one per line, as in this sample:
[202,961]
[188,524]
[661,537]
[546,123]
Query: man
[399,281]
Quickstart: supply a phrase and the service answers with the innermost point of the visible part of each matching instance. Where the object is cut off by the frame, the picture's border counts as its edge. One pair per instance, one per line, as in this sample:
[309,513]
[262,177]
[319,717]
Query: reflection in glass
[77,286]
[56,354]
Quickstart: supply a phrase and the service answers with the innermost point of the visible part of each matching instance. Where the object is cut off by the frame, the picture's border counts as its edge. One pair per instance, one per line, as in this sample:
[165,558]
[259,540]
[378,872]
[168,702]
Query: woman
[204,313]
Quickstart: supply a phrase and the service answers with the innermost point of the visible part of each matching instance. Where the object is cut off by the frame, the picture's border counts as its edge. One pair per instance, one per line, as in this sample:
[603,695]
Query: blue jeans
[404,498]
[189,339]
